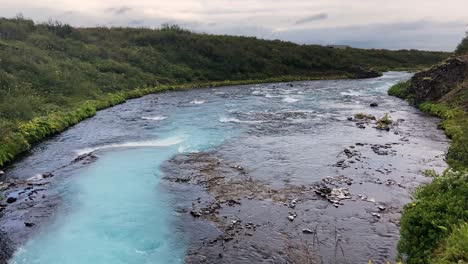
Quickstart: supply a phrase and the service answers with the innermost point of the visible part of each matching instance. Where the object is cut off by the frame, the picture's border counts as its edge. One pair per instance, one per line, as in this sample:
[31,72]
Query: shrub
[454,249]
[437,209]
[400,90]
[364,116]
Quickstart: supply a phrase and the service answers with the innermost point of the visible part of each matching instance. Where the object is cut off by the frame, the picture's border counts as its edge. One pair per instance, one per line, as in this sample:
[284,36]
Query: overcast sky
[394,24]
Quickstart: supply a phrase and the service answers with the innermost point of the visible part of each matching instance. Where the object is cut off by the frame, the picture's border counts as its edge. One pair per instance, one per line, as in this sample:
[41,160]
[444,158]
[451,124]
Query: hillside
[53,75]
[434,227]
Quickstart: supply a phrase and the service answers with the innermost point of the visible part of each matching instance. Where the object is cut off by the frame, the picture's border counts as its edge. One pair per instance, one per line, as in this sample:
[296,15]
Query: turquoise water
[119,210]
[113,211]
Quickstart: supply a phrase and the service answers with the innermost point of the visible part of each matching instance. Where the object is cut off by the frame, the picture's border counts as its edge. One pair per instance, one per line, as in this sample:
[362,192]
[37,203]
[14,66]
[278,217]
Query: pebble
[307,231]
[381,208]
[376,215]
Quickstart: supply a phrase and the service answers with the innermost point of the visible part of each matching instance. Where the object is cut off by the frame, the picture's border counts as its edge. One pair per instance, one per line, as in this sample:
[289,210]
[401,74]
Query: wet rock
[182,180]
[339,194]
[381,208]
[376,215]
[86,158]
[11,200]
[323,190]
[292,216]
[29,224]
[232,202]
[2,173]
[307,231]
[195,213]
[341,164]
[47,175]
[374,104]
[338,180]
[350,118]
[293,203]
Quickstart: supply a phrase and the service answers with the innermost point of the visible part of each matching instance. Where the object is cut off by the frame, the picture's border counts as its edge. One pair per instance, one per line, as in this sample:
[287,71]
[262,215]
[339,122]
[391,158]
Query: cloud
[308,19]
[419,34]
[119,10]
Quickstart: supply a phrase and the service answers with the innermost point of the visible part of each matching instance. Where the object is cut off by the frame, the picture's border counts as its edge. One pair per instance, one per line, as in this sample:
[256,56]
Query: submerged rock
[11,200]
[374,104]
[29,224]
[195,213]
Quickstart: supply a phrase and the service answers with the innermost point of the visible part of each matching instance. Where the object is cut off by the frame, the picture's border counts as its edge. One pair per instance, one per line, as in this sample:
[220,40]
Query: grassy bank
[434,226]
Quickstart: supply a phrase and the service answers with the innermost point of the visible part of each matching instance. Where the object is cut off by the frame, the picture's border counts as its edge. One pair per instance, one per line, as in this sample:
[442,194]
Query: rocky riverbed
[304,172]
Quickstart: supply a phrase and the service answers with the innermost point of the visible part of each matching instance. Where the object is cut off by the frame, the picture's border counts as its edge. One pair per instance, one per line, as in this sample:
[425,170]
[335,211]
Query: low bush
[400,90]
[438,209]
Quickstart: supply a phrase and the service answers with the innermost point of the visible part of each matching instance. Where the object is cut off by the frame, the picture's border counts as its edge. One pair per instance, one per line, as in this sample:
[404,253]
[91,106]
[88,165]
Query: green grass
[364,116]
[437,210]
[453,249]
[400,90]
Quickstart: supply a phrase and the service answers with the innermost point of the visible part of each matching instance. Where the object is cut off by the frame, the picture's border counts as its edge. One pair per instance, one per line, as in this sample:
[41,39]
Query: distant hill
[53,68]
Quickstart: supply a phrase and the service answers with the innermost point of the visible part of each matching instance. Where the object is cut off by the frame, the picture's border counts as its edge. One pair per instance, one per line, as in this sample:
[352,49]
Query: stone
[11,200]
[47,175]
[195,213]
[307,231]
[374,104]
[381,208]
[29,224]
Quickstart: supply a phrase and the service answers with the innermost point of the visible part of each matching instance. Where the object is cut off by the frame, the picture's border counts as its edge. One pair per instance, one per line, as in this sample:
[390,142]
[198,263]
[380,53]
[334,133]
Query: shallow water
[117,209]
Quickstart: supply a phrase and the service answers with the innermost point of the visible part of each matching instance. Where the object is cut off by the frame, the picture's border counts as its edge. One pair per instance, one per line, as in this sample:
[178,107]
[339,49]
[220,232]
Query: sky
[389,24]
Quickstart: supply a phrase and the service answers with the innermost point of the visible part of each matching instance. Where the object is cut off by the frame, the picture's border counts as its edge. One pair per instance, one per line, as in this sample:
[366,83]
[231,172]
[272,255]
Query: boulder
[435,83]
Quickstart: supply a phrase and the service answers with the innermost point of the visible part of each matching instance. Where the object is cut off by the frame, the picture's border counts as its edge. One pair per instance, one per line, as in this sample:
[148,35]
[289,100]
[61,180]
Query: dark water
[121,209]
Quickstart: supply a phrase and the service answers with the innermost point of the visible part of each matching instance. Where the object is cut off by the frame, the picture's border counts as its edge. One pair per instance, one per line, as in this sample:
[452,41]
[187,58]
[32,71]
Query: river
[226,175]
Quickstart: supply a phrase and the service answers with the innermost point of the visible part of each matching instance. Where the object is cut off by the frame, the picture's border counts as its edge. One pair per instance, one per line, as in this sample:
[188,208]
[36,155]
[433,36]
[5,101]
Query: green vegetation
[454,248]
[400,90]
[463,46]
[434,227]
[53,75]
[384,122]
[364,116]
[437,209]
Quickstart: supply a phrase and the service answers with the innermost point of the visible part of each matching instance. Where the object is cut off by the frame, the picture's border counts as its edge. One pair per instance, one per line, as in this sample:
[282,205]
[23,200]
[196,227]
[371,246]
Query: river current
[123,206]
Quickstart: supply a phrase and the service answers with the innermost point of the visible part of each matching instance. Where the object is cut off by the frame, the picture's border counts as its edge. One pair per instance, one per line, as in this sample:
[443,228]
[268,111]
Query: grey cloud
[308,19]
[421,34]
[119,10]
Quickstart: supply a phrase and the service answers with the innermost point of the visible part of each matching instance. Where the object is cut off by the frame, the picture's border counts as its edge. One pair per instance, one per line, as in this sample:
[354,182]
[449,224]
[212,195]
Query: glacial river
[149,168]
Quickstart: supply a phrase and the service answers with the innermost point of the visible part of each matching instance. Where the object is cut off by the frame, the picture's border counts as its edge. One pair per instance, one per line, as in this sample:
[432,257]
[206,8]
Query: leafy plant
[437,209]
[400,90]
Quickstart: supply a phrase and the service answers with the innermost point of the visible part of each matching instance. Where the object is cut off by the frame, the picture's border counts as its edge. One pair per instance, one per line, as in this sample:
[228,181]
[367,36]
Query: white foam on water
[197,102]
[154,118]
[351,93]
[135,144]
[235,120]
[289,100]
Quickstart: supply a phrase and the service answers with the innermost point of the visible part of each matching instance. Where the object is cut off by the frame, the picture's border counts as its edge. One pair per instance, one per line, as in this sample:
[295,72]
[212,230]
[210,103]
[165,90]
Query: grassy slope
[52,75]
[434,226]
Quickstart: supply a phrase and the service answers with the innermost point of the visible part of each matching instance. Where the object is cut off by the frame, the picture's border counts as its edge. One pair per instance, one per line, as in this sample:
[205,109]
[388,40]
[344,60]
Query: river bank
[240,173]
